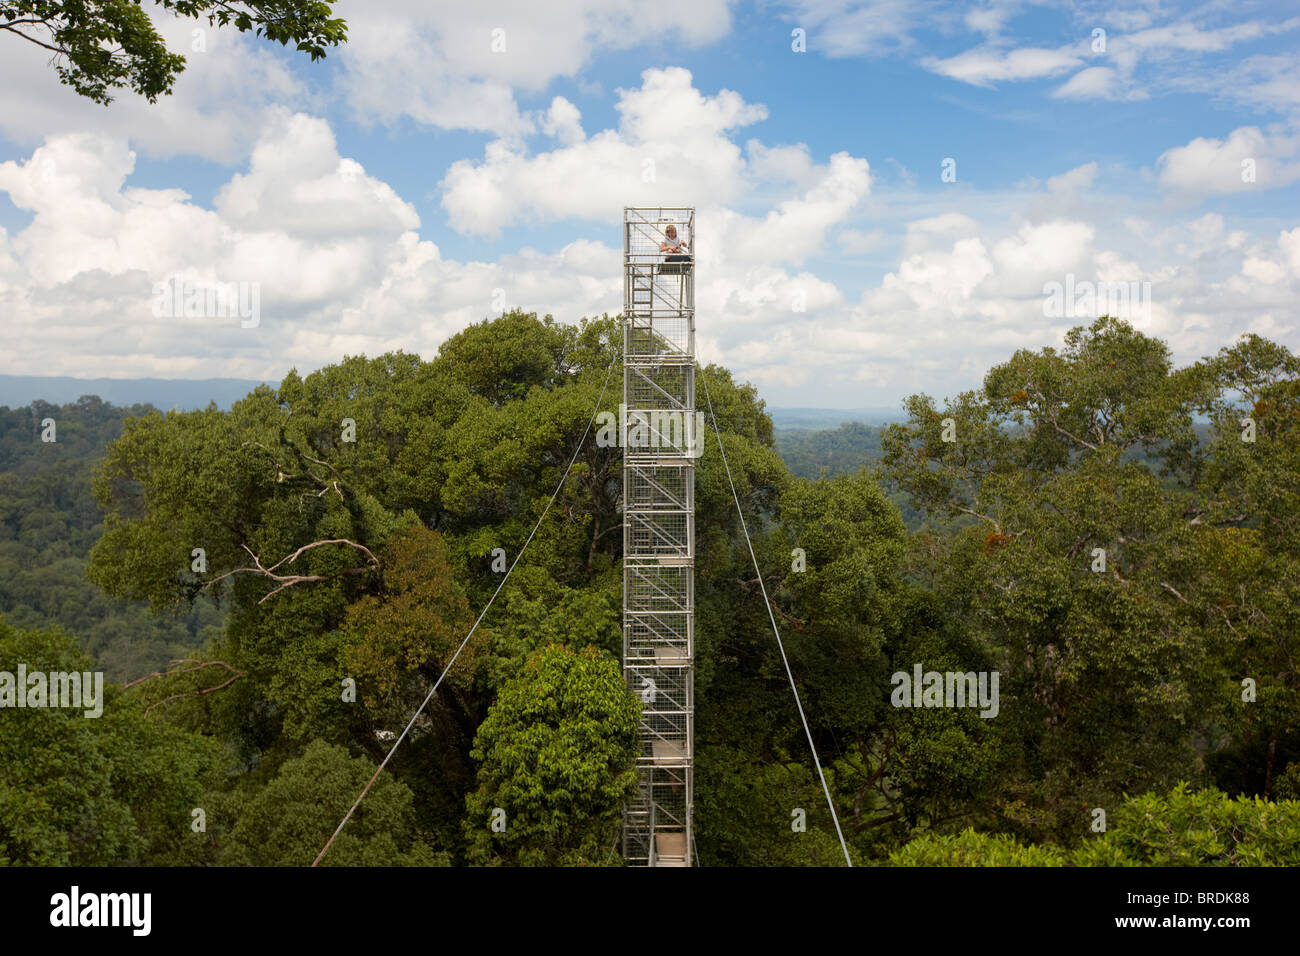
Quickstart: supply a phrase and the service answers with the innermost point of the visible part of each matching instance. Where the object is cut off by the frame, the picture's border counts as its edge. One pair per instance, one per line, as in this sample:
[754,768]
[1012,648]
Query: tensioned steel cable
[775,630]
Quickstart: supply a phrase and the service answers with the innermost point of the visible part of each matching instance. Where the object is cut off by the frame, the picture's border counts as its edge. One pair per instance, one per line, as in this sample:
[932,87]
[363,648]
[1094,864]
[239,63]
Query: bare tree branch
[288,580]
[198,692]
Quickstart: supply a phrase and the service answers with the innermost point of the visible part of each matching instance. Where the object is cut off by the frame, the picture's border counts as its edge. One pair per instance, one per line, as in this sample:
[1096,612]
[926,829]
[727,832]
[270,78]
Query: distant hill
[18,391]
[831,418]
[48,523]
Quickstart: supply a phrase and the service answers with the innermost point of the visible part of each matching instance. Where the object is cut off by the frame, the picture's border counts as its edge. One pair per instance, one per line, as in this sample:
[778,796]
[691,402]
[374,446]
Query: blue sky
[378,199]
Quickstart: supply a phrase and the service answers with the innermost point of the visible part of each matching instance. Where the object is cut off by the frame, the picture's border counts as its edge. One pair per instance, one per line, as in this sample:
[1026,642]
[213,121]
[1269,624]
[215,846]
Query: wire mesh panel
[663,690]
[655,534]
[665,739]
[665,639]
[647,230]
[659,432]
[657,588]
[658,487]
[659,339]
[661,439]
[650,387]
[659,291]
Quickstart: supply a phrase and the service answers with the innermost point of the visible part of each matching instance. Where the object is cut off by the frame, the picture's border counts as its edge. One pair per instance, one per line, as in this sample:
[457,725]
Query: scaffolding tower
[661,440]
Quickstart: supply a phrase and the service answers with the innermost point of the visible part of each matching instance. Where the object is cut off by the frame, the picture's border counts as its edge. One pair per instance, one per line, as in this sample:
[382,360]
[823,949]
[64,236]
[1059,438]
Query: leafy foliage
[48,524]
[354,521]
[104,45]
[1114,670]
[93,791]
[557,752]
[969,848]
[1181,828]
[288,821]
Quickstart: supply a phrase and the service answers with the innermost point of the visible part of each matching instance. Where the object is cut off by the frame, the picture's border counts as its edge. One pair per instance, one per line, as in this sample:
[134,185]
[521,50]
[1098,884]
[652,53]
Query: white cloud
[797,227]
[298,185]
[1180,49]
[1042,252]
[343,269]
[1272,265]
[985,66]
[922,234]
[564,122]
[1129,20]
[77,284]
[215,110]
[1262,270]
[1099,83]
[781,164]
[458,65]
[671,141]
[1289,244]
[1094,82]
[1264,81]
[1081,177]
[840,28]
[1189,37]
[857,242]
[1209,166]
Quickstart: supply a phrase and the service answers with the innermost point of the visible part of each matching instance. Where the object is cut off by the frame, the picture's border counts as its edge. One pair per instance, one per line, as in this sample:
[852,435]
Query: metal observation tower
[661,441]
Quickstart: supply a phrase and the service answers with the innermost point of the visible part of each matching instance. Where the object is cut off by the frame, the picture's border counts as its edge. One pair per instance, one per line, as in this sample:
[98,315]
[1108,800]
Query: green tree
[970,848]
[346,517]
[48,524]
[557,753]
[1205,828]
[289,820]
[112,790]
[1180,828]
[1107,669]
[105,45]
[1249,476]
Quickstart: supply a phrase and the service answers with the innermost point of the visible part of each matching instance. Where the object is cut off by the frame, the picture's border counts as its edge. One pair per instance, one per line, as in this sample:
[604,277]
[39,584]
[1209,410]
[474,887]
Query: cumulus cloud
[1249,158]
[672,140]
[459,65]
[797,227]
[343,269]
[1081,177]
[564,122]
[215,111]
[298,184]
[332,251]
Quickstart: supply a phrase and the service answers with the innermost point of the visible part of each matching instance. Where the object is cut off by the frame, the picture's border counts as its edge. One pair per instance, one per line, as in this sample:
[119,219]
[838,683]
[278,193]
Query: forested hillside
[350,521]
[842,451]
[48,523]
[807,453]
